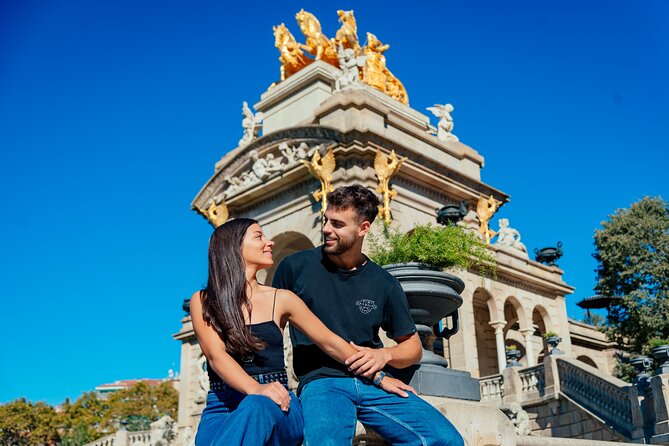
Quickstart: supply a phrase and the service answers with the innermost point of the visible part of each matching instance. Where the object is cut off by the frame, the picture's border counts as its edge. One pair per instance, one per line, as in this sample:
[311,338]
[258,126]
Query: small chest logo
[366,305]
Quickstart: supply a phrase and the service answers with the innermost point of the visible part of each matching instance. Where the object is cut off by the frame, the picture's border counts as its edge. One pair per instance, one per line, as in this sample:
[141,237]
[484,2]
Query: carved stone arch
[542,323]
[485,311]
[587,360]
[286,243]
[513,303]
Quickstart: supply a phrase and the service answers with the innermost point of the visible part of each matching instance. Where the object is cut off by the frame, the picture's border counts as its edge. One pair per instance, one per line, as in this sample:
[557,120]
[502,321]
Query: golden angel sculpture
[322,168]
[217,214]
[485,209]
[385,167]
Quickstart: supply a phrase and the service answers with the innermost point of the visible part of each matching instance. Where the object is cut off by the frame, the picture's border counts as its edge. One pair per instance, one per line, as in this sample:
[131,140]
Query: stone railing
[123,437]
[492,388]
[533,382]
[104,441]
[139,438]
[611,399]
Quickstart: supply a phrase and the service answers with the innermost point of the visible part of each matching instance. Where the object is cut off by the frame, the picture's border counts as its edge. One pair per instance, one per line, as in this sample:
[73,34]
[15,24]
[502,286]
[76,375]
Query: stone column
[529,349]
[660,386]
[499,343]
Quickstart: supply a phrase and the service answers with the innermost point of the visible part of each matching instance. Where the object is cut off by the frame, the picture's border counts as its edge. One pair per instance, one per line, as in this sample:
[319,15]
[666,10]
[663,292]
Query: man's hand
[395,386]
[367,361]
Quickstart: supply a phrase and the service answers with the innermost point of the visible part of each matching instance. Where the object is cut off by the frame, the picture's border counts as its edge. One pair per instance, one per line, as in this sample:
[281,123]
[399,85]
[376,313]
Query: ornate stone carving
[322,169]
[294,154]
[485,209]
[349,65]
[251,124]
[519,418]
[264,167]
[510,237]
[202,380]
[290,55]
[385,167]
[445,125]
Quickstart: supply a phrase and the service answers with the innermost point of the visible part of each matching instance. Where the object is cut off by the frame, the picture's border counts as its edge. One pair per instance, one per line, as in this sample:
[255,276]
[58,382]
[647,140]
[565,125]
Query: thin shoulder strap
[274,303]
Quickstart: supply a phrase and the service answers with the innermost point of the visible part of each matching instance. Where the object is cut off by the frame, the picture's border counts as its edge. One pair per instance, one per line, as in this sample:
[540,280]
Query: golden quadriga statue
[375,73]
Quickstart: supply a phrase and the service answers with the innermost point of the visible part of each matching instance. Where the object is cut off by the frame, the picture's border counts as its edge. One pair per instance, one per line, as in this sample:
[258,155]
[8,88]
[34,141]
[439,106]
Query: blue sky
[113,113]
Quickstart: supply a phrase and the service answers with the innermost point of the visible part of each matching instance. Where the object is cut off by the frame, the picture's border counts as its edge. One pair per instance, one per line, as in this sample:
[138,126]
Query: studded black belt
[262,378]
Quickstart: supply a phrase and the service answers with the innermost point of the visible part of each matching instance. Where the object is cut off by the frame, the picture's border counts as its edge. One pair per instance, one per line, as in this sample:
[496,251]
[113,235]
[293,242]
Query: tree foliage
[90,417]
[632,251]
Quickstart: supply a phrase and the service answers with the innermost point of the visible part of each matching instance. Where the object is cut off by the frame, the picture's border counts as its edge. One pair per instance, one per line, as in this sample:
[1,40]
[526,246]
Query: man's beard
[340,247]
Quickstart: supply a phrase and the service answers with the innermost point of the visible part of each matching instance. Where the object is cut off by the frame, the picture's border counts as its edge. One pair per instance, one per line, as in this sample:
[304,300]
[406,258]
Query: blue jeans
[231,418]
[331,406]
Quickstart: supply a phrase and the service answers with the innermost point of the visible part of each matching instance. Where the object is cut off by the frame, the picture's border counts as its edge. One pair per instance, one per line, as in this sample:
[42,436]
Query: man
[355,297]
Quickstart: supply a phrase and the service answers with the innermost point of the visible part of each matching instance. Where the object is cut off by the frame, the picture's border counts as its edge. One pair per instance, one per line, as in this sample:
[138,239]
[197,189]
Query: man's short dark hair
[363,201]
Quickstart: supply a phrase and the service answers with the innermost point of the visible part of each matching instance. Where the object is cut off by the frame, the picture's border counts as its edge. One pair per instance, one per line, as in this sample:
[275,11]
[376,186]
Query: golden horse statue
[385,167]
[291,56]
[377,75]
[318,45]
[347,34]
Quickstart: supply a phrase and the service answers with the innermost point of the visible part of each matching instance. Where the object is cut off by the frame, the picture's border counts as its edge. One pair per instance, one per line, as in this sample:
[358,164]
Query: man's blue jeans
[331,406]
[232,418]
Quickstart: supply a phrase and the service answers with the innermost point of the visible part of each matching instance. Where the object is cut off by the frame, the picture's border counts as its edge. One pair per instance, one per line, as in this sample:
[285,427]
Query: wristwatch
[379,378]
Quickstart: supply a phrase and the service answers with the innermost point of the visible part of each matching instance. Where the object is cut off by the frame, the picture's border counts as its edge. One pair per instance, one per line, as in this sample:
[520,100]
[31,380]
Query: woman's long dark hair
[225,295]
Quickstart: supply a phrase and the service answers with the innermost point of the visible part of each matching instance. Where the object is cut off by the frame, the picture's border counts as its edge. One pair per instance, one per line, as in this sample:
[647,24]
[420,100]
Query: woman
[239,325]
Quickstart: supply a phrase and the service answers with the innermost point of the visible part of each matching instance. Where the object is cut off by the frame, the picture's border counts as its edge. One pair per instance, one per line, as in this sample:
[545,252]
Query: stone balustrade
[122,437]
[139,438]
[104,441]
[492,388]
[612,399]
[533,382]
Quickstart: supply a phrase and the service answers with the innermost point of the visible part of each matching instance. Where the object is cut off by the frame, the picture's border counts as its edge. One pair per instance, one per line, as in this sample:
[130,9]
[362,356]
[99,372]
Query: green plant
[441,246]
[658,342]
[512,347]
[551,334]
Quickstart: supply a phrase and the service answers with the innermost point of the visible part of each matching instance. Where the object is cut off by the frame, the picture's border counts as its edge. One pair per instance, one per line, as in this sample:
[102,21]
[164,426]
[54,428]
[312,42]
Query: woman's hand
[274,391]
[395,386]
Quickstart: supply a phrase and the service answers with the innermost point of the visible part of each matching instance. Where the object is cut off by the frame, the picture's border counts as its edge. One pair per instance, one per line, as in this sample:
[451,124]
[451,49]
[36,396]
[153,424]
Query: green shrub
[550,334]
[441,246]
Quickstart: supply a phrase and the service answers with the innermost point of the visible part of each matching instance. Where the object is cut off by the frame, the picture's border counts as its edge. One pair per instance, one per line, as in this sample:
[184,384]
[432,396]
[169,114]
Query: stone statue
[485,209]
[163,431]
[186,437]
[322,169]
[250,123]
[202,379]
[385,167]
[264,167]
[510,237]
[445,126]
[377,75]
[294,154]
[248,179]
[347,34]
[290,55]
[349,65]
[318,45]
[519,418]
[234,186]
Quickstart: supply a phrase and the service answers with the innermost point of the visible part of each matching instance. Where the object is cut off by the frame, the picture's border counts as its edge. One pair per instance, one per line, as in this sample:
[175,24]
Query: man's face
[340,230]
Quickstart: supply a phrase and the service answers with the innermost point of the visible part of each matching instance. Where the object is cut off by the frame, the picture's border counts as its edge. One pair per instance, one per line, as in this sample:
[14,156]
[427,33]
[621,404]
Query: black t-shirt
[353,304]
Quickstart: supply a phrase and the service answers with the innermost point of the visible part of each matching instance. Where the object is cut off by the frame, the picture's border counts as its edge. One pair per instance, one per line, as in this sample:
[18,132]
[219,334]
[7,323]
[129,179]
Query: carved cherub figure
[349,65]
[445,125]
[250,123]
[510,237]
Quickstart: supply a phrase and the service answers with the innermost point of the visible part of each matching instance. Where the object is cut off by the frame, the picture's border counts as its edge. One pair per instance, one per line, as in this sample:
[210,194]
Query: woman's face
[256,248]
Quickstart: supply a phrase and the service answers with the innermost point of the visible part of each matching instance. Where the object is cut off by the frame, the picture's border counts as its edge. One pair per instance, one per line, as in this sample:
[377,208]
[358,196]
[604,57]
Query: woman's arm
[301,317]
[225,366]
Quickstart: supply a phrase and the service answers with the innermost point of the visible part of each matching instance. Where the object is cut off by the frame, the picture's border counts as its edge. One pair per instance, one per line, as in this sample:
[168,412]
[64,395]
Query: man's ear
[363,229]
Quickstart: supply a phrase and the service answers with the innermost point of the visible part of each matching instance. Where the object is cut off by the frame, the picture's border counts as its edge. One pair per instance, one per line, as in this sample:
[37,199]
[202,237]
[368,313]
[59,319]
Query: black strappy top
[267,360]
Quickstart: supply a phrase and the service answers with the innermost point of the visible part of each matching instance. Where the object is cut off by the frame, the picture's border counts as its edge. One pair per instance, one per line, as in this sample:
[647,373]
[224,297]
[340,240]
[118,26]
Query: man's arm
[367,361]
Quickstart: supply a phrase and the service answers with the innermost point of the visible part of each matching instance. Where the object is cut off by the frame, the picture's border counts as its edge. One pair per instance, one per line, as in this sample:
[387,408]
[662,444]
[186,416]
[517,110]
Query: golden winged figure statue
[485,209]
[322,168]
[217,214]
[385,167]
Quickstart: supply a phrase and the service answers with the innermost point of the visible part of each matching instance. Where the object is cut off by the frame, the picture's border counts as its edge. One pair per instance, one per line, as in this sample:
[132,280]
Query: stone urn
[512,357]
[642,365]
[548,255]
[451,213]
[552,342]
[433,295]
[661,356]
